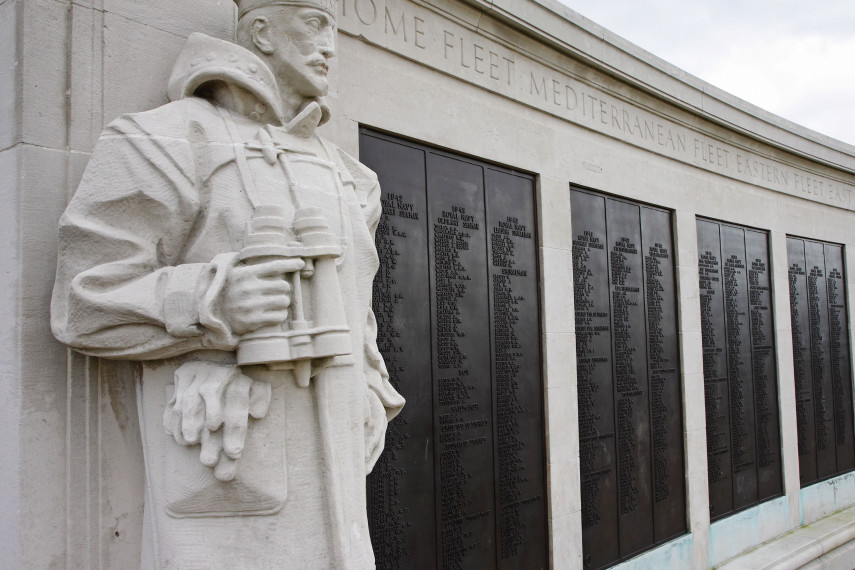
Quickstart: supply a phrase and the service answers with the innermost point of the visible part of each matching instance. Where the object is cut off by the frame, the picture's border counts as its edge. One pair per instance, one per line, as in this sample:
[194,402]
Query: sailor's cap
[328,6]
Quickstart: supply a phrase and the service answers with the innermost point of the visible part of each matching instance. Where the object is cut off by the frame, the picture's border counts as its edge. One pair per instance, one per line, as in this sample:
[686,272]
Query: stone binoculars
[317,326]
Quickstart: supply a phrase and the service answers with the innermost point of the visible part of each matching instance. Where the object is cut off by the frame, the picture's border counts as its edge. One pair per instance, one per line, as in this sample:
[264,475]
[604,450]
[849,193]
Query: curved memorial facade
[616,300]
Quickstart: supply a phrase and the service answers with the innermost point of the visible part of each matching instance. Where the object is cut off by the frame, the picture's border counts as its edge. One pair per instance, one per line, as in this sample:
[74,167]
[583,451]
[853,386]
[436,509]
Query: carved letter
[391,24]
[462,53]
[533,87]
[570,92]
[615,118]
[479,58]
[368,17]
[448,42]
[494,65]
[510,63]
[418,27]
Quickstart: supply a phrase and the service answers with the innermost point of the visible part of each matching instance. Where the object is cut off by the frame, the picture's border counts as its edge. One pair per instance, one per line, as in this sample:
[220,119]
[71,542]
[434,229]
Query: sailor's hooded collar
[205,59]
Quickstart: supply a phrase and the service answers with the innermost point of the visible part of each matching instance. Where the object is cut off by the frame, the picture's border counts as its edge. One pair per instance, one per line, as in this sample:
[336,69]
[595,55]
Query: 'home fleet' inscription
[418,33]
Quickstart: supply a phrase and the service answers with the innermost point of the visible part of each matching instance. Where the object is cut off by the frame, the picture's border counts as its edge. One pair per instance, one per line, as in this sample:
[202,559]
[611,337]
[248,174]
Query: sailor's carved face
[302,41]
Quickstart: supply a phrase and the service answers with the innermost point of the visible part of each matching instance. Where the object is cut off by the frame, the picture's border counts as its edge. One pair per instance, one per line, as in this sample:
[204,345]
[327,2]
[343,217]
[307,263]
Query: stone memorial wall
[740,376]
[591,379]
[820,328]
[630,420]
[456,300]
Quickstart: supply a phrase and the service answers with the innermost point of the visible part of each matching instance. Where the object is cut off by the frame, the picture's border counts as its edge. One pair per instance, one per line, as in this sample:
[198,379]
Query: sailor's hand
[258,295]
[211,406]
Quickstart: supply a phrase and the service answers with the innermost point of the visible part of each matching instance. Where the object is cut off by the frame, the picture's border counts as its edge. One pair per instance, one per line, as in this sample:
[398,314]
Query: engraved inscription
[462,481]
[400,489]
[740,384]
[390,519]
[817,357]
[734,270]
[836,316]
[462,421]
[796,275]
[718,432]
[630,425]
[821,359]
[507,237]
[656,263]
[423,34]
[762,351]
[591,327]
[625,297]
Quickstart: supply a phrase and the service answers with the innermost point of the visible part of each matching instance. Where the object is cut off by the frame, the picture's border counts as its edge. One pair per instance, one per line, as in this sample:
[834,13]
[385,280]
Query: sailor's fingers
[212,444]
[250,310]
[236,416]
[184,377]
[259,399]
[193,410]
[213,394]
[277,267]
[266,304]
[226,469]
[275,288]
[168,411]
[258,295]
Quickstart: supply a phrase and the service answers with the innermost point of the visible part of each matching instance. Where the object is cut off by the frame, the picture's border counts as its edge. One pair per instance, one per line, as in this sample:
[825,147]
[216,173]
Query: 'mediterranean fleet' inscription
[450,45]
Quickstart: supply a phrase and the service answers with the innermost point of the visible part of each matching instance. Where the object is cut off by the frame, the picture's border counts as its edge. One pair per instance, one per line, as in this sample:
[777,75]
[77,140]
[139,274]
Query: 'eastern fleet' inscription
[630,421]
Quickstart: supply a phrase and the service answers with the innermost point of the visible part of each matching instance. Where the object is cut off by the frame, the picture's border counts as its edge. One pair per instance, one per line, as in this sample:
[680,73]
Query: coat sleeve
[368,191]
[120,291]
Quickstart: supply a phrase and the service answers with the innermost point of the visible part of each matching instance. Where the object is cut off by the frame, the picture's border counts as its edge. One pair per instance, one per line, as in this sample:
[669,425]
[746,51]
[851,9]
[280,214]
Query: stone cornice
[571,34]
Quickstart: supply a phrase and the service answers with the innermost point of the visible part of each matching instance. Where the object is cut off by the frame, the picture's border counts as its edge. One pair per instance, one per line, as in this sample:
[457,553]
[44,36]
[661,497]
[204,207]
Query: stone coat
[161,209]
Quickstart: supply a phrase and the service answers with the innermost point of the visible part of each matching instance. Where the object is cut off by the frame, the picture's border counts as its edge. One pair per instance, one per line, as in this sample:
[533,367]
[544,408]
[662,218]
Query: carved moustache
[319,62]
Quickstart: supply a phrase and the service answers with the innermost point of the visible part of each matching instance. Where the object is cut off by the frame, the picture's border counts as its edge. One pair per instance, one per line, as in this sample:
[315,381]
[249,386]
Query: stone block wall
[72,478]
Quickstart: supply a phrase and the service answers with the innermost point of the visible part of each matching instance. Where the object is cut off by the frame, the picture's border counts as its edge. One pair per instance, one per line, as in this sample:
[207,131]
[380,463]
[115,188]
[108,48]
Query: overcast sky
[795,58]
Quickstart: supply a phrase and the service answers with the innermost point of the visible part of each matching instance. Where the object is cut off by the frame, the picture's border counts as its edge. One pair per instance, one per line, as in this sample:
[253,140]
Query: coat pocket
[260,486]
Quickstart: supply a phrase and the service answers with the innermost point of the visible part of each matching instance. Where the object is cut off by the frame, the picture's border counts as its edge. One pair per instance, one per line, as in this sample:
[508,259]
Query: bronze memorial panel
[740,376]
[628,365]
[820,329]
[462,481]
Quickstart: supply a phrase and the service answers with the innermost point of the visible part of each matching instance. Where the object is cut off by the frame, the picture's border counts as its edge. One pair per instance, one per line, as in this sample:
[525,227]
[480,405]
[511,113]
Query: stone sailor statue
[227,247]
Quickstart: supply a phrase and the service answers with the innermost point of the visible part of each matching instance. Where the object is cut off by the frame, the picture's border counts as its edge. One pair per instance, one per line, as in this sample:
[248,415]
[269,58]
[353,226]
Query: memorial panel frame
[740,376]
[821,358]
[632,456]
[465,310]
